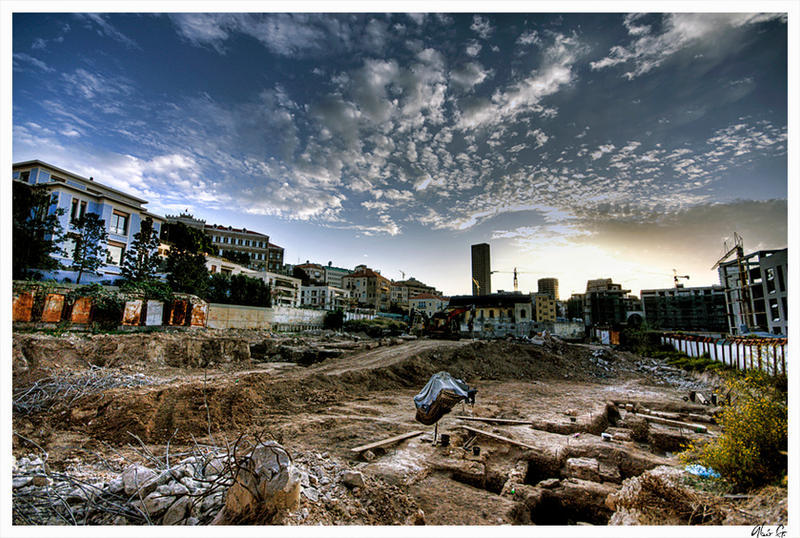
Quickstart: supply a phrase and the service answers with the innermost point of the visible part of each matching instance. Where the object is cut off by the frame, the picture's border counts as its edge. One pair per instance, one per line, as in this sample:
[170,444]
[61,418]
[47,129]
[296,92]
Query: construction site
[187,427]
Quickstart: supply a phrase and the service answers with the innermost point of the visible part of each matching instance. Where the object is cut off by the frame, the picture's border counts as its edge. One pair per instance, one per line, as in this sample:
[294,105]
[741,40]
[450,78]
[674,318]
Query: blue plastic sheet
[702,472]
[439,395]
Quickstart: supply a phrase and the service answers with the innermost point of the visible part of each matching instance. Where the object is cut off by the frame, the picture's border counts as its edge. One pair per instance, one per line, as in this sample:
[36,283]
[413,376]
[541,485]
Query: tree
[186,263]
[242,258]
[141,259]
[36,231]
[90,238]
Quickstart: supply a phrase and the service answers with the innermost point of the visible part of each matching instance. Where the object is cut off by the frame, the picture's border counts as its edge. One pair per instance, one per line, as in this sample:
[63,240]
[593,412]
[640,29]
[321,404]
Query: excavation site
[253,427]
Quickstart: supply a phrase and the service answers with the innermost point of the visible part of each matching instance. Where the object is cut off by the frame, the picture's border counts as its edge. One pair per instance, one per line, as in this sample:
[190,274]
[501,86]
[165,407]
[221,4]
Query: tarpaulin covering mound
[439,395]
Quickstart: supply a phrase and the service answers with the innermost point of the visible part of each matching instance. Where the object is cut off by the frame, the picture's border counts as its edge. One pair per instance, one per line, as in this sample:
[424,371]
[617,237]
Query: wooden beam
[386,442]
[498,420]
[498,437]
[702,398]
[676,423]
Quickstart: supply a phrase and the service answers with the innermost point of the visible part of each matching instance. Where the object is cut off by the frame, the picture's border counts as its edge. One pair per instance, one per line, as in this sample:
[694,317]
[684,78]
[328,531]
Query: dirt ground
[189,390]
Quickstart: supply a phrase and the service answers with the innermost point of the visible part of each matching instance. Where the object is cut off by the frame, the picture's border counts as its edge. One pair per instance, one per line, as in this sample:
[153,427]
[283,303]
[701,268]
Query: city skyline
[578,146]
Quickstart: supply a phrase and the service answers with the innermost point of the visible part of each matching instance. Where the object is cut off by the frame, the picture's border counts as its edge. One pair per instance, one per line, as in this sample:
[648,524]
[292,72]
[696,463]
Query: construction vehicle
[443,324]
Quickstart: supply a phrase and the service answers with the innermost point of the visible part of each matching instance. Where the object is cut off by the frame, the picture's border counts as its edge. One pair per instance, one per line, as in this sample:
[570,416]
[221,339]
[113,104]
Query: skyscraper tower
[481,270]
[549,286]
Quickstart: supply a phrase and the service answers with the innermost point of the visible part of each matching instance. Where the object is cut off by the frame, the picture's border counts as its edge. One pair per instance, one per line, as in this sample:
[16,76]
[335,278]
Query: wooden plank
[497,437]
[702,398]
[676,423]
[498,420]
[386,442]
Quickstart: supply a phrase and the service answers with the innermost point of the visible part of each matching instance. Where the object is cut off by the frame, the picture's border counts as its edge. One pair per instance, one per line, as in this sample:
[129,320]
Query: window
[25,176]
[54,199]
[770,274]
[247,242]
[773,310]
[213,269]
[781,283]
[69,248]
[523,313]
[115,253]
[119,223]
[225,240]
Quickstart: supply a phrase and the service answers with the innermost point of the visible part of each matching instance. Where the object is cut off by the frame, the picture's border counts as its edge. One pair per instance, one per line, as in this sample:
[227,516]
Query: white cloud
[525,95]
[680,30]
[473,48]
[107,29]
[481,26]
[21,57]
[530,37]
[468,75]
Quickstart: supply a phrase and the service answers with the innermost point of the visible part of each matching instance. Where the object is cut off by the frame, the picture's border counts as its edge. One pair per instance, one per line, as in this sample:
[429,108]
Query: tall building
[549,286]
[403,290]
[686,309]
[481,270]
[77,196]
[756,293]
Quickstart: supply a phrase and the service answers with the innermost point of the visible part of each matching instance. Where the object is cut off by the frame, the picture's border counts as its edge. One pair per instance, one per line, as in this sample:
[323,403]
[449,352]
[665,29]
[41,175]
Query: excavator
[444,325]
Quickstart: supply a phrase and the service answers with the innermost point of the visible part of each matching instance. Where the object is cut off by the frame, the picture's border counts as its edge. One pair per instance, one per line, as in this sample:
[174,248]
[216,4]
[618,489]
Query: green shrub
[376,327]
[751,450]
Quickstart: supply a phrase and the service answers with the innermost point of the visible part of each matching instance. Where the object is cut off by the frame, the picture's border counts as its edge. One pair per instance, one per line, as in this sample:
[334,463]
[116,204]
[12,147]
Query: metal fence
[767,354]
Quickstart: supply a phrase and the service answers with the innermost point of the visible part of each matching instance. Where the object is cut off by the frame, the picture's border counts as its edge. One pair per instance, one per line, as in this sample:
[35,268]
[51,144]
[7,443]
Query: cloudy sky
[578,145]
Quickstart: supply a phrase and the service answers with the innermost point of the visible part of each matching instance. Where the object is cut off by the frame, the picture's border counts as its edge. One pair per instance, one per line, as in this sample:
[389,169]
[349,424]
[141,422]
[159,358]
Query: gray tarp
[439,396]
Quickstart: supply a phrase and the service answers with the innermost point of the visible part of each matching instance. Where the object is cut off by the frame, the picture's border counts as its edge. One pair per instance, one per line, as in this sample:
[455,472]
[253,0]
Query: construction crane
[744,281]
[515,272]
[676,276]
[402,273]
[477,286]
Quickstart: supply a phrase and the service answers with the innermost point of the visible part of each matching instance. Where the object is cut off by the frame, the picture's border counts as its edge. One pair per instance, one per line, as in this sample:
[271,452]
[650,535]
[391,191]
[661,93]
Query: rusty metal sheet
[614,338]
[199,314]
[23,305]
[178,315]
[53,308]
[82,310]
[133,313]
[155,313]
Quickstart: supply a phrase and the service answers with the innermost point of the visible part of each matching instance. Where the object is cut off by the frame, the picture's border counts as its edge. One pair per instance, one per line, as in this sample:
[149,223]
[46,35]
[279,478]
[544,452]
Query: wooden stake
[386,442]
[498,437]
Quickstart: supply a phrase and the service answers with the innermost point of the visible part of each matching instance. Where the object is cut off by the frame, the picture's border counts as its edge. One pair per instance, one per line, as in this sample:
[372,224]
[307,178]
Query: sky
[579,146]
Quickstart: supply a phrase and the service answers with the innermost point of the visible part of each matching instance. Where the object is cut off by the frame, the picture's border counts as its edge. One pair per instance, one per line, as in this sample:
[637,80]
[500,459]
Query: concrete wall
[225,316]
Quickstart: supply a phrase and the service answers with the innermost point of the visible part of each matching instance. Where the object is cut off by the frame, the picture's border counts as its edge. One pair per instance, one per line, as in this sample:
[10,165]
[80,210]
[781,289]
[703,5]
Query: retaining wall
[225,316]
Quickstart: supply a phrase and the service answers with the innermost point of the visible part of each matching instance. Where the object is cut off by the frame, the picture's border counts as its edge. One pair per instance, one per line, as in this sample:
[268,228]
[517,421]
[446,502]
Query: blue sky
[578,145]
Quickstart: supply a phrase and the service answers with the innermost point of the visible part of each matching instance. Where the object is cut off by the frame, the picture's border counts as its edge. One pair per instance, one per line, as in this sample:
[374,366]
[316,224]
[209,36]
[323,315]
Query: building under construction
[686,309]
[756,292]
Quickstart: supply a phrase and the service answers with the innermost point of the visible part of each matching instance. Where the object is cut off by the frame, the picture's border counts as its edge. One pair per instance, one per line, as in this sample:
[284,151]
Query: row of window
[119,220]
[225,240]
[116,251]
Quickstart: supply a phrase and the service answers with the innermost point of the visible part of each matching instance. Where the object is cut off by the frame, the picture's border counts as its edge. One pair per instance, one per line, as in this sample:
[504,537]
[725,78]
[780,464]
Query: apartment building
[402,290]
[77,196]
[368,289]
[334,275]
[275,258]
[242,241]
[544,307]
[315,272]
[756,292]
[285,289]
[217,264]
[686,309]
[324,297]
[428,303]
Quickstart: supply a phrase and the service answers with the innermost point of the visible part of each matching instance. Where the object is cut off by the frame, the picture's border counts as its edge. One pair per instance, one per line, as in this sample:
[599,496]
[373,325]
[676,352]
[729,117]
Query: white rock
[135,476]
[21,481]
[177,512]
[156,504]
[353,479]
[311,494]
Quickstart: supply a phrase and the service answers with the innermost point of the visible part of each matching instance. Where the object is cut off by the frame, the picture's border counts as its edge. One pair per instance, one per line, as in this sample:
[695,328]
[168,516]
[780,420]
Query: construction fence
[35,307]
[742,353]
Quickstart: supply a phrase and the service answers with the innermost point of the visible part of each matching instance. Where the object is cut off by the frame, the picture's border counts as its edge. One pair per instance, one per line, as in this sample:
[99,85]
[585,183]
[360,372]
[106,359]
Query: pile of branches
[67,387]
[44,497]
